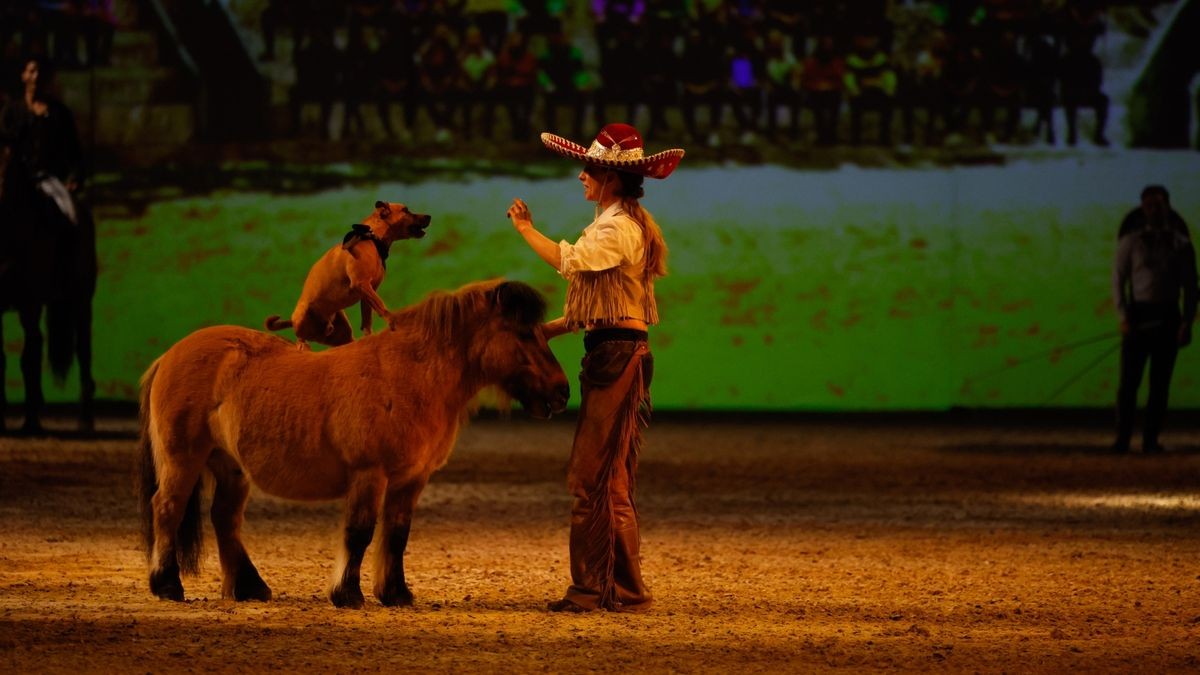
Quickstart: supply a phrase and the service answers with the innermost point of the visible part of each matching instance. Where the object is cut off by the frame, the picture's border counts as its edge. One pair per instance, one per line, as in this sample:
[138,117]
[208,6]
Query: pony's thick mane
[443,314]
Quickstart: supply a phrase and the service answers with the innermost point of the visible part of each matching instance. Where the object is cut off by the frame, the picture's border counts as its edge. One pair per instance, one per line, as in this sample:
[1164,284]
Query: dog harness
[359,232]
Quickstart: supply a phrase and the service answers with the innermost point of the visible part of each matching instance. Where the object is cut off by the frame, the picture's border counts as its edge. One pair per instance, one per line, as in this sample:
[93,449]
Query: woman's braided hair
[630,192]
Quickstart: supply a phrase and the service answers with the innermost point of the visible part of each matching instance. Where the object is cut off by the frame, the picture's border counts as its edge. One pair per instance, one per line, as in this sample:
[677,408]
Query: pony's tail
[60,337]
[190,535]
[273,322]
[147,483]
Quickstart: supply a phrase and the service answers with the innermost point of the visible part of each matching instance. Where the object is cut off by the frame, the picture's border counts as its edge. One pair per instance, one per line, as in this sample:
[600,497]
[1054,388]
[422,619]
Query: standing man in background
[1155,267]
[1152,195]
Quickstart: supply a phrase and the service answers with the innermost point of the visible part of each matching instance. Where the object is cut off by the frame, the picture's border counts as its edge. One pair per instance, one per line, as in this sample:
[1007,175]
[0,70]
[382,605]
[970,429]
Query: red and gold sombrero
[618,146]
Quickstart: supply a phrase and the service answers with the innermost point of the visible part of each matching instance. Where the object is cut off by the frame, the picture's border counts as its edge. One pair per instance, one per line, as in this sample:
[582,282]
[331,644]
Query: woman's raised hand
[520,216]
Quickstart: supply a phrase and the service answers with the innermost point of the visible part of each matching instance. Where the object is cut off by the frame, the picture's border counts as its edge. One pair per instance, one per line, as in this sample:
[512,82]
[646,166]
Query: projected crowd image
[883,205]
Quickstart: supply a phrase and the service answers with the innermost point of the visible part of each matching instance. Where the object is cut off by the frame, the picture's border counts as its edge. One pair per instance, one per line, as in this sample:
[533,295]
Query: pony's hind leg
[390,586]
[176,522]
[362,509]
[240,579]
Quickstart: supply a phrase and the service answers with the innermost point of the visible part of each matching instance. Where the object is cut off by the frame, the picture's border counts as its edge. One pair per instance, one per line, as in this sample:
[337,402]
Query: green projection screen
[842,289]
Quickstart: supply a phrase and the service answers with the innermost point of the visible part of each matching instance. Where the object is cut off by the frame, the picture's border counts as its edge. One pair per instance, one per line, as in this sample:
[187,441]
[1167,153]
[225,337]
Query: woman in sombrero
[610,272]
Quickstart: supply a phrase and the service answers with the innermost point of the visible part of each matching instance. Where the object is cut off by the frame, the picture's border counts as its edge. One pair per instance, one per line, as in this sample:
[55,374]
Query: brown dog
[350,273]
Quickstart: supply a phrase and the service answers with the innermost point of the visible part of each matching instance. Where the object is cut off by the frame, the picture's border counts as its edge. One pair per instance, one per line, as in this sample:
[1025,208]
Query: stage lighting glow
[1180,502]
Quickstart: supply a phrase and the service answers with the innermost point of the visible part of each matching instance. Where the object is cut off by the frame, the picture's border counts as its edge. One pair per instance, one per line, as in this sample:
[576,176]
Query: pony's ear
[520,302]
[383,208]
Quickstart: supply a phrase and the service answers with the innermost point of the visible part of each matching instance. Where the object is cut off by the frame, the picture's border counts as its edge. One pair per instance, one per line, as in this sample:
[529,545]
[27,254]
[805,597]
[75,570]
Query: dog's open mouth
[417,229]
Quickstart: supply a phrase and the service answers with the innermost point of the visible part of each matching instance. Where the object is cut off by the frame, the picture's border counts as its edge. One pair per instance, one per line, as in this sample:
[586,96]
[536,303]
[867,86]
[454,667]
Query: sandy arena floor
[770,546]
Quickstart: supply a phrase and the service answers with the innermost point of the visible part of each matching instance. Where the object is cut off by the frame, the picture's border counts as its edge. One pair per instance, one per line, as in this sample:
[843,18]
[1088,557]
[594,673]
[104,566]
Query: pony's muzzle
[542,401]
[562,394]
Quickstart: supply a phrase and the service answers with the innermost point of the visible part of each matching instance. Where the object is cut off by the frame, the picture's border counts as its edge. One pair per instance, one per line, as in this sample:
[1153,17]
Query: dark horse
[47,240]
[51,268]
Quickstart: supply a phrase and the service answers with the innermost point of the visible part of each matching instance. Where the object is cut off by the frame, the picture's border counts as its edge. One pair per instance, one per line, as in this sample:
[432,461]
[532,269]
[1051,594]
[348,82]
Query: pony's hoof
[260,594]
[251,587]
[346,598]
[399,598]
[167,589]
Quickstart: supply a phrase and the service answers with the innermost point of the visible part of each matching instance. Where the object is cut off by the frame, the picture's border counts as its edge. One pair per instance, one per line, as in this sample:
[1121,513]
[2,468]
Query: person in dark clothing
[41,221]
[702,75]
[1155,268]
[45,157]
[291,15]
[516,77]
[870,85]
[1042,77]
[318,80]
[439,74]
[359,79]
[745,83]
[99,22]
[1136,219]
[964,81]
[661,79]
[620,50]
[1005,76]
[1082,75]
[822,80]
[561,77]
[398,76]
[477,65]
[783,83]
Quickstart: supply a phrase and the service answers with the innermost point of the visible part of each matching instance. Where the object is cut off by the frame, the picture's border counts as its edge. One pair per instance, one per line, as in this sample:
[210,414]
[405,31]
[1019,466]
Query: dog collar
[359,232]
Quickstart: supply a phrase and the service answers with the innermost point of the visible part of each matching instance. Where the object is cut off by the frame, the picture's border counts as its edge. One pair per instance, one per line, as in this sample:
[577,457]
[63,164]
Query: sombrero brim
[658,165]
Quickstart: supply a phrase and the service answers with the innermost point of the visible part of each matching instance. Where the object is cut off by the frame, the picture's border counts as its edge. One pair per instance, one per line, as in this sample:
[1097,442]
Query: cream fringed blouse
[606,274]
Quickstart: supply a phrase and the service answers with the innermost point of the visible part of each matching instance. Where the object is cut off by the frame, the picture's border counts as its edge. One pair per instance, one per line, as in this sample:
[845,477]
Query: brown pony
[368,421]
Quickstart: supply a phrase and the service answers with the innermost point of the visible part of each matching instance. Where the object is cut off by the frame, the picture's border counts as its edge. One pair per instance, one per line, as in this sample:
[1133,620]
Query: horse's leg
[239,577]
[31,366]
[398,508]
[83,351]
[170,506]
[362,509]
[85,295]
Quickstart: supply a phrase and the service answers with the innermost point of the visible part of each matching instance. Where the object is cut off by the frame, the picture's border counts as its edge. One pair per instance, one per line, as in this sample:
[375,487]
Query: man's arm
[1120,279]
[1178,223]
[1188,281]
